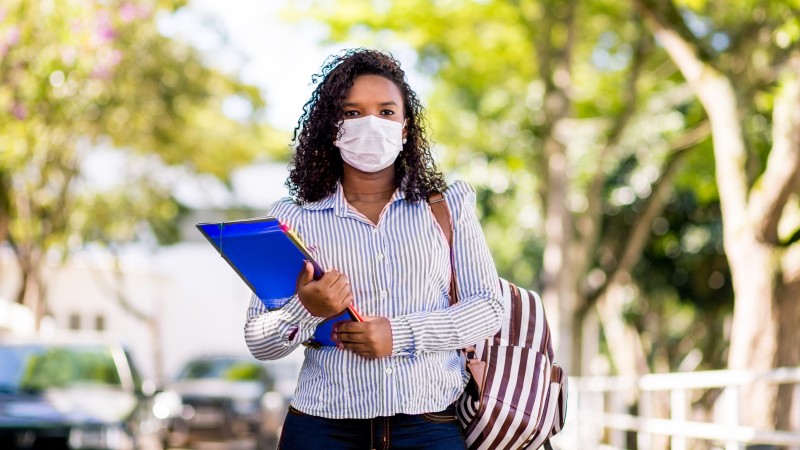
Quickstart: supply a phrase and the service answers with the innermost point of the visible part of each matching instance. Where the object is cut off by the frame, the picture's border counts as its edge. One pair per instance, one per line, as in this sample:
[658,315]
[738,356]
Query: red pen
[318,272]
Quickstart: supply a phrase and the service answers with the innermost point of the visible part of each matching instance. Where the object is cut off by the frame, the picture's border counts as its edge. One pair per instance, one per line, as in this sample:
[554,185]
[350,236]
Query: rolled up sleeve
[274,334]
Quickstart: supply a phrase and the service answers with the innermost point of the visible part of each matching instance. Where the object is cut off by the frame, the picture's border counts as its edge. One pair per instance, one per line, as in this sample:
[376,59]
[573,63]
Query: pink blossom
[106,34]
[101,72]
[105,30]
[12,37]
[128,12]
[106,62]
[19,110]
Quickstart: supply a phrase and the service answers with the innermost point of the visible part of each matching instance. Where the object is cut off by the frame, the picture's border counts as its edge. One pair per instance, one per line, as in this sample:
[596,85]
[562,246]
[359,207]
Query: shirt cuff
[402,337]
[297,322]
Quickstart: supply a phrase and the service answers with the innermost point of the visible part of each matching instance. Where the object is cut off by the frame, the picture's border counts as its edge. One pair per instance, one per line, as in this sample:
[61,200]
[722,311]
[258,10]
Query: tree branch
[781,177]
[22,268]
[665,19]
[791,240]
[588,224]
[641,230]
[5,205]
[790,262]
[717,95]
[119,296]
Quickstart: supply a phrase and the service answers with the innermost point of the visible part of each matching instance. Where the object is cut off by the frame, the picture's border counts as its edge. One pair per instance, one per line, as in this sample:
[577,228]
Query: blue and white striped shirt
[399,269]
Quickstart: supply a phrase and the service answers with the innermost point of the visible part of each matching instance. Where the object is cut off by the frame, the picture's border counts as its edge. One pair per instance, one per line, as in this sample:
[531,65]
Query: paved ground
[243,444]
[230,445]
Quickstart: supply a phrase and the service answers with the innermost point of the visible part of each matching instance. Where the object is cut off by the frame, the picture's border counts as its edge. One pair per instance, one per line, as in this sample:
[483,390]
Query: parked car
[286,371]
[221,398]
[75,393]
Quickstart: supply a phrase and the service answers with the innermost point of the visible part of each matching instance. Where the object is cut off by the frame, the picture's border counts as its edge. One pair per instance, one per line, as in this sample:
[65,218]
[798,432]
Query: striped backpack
[516,397]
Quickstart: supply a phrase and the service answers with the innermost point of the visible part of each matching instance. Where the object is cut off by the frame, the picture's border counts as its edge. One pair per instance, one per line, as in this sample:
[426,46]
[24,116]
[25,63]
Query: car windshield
[226,369]
[38,367]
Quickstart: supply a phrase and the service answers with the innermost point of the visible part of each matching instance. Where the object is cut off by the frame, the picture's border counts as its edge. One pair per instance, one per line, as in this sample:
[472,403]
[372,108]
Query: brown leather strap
[441,212]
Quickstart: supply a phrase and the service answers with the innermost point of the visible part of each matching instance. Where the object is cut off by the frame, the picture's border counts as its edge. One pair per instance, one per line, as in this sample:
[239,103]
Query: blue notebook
[268,256]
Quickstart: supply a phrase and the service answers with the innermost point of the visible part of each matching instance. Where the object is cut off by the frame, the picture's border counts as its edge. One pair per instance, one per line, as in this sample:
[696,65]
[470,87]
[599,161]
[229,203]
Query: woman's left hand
[371,338]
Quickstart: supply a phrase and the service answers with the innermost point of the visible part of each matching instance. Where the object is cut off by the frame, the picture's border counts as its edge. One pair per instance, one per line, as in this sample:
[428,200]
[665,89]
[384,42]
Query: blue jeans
[439,430]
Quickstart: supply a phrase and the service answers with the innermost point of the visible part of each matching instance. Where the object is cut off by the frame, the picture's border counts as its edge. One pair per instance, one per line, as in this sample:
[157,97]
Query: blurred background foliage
[628,107]
[589,135]
[514,80]
[592,156]
[82,77]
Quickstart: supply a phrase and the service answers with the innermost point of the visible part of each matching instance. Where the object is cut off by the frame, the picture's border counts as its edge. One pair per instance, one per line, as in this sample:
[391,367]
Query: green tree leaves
[76,76]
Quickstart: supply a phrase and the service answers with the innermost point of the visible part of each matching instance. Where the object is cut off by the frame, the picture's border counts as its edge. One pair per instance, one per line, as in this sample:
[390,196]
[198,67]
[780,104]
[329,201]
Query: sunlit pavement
[242,444]
[231,445]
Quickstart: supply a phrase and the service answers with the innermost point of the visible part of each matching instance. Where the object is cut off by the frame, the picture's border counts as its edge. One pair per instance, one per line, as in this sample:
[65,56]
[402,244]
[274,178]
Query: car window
[37,367]
[225,369]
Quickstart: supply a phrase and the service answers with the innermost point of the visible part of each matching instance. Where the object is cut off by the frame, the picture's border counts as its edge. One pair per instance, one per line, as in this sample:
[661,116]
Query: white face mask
[369,143]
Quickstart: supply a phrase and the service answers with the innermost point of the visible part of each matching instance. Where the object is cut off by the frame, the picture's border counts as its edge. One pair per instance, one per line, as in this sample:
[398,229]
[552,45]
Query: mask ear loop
[405,122]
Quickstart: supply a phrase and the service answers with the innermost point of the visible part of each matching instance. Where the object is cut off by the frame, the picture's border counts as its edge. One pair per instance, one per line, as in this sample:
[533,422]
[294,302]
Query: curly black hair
[317,165]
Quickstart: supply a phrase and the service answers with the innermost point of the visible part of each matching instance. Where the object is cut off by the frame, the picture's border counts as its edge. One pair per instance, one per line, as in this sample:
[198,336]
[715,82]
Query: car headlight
[272,401]
[167,404]
[100,437]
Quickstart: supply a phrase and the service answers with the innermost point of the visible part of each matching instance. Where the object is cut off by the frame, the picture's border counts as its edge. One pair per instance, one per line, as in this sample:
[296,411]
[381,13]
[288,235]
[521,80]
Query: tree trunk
[33,294]
[788,300]
[158,355]
[558,293]
[754,336]
[624,340]
[750,218]
[116,290]
[32,290]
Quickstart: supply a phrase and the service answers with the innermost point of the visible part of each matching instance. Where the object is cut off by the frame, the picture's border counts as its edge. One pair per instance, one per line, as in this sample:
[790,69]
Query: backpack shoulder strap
[441,212]
[475,366]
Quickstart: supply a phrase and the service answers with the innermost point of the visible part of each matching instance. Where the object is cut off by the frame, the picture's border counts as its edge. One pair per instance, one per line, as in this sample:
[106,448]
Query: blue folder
[269,257]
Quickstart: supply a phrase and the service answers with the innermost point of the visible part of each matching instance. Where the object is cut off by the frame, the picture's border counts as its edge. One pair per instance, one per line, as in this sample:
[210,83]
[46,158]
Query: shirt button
[384,294]
[380,256]
[389,371]
[374,231]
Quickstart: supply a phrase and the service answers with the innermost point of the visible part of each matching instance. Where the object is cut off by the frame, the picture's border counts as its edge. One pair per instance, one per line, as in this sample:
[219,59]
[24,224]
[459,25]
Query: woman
[359,181]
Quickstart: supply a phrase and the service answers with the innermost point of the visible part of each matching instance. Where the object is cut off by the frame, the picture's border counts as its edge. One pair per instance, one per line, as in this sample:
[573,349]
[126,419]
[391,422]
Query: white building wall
[200,303]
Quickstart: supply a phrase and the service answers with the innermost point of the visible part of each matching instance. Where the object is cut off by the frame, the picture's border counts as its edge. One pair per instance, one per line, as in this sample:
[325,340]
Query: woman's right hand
[325,297]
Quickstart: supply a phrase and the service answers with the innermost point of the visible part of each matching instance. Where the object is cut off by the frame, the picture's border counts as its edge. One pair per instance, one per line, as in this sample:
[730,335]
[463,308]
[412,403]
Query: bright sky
[280,58]
[267,51]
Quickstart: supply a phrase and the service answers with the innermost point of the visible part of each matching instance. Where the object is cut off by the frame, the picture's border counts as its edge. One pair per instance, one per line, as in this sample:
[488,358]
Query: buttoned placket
[381,266]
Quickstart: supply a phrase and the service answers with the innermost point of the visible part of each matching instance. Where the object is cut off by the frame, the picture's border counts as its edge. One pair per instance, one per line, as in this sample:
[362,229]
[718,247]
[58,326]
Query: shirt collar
[338,203]
[335,201]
